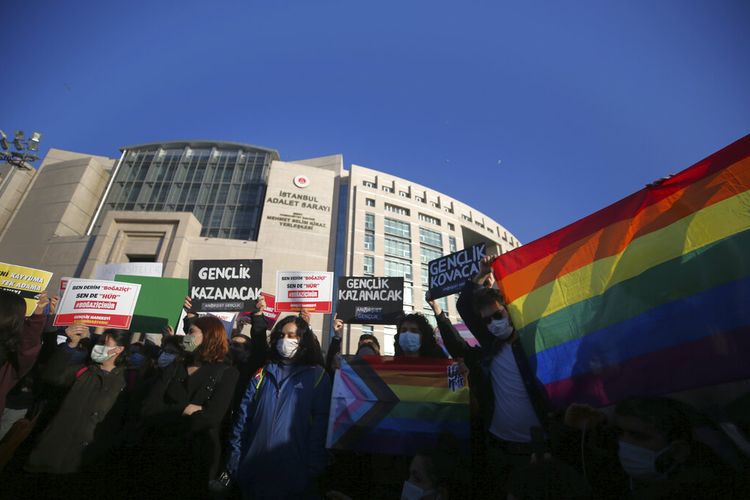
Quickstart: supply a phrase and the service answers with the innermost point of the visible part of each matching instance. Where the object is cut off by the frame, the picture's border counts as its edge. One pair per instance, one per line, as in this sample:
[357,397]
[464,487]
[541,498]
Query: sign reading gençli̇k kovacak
[225,285]
[368,300]
[448,274]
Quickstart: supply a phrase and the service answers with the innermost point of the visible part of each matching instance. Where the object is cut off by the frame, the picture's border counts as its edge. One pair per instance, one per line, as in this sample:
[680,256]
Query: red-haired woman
[184,413]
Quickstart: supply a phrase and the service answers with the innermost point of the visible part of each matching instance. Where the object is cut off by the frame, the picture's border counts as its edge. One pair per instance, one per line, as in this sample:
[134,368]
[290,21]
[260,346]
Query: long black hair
[428,347]
[12,315]
[122,339]
[309,351]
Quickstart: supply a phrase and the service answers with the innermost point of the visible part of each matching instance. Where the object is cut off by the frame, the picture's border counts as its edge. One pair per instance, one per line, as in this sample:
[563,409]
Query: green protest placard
[159,303]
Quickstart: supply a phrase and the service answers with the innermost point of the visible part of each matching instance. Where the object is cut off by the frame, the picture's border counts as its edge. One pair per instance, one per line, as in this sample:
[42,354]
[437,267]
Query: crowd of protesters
[205,415]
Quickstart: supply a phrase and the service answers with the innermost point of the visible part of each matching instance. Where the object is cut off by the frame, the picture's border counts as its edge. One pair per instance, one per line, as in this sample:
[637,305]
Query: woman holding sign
[415,338]
[277,448]
[184,411]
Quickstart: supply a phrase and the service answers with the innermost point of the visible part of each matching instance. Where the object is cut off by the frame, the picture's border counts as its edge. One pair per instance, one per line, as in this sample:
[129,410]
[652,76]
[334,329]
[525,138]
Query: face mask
[413,492]
[500,328]
[410,342]
[137,359]
[188,342]
[366,350]
[640,463]
[165,359]
[287,347]
[99,353]
[239,353]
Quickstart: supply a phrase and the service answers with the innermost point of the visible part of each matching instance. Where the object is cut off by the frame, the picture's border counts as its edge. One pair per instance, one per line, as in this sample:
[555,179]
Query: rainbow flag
[648,296]
[395,406]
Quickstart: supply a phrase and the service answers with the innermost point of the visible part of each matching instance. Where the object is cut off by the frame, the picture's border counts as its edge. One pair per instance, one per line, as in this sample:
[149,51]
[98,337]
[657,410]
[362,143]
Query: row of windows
[430,237]
[370,202]
[429,218]
[397,210]
[398,228]
[406,194]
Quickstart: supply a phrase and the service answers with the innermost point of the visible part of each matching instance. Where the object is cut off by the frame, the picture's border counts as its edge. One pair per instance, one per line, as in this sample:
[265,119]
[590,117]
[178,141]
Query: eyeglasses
[497,315]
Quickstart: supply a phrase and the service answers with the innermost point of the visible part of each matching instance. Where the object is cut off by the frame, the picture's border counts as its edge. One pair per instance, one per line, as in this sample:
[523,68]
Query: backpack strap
[321,373]
[258,379]
[81,371]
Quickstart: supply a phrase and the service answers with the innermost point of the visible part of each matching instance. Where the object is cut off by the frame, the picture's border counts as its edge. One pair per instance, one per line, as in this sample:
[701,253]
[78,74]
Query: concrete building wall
[312,219]
[14,184]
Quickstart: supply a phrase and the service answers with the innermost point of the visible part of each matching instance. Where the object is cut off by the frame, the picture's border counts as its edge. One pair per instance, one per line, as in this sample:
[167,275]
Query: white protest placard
[310,291]
[97,303]
[109,271]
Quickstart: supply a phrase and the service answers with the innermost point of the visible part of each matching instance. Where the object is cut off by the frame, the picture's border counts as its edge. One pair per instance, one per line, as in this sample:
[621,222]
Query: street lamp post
[24,149]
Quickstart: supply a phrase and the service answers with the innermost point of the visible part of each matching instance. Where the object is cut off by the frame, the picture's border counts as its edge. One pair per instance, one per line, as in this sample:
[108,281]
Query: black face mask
[240,353]
[366,350]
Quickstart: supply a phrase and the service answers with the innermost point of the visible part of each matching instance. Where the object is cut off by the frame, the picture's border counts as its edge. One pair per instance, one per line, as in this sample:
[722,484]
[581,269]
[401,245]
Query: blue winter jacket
[278,441]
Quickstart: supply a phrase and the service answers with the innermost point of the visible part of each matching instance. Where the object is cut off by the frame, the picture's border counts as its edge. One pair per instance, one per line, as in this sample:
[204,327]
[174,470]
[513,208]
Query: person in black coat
[86,426]
[183,414]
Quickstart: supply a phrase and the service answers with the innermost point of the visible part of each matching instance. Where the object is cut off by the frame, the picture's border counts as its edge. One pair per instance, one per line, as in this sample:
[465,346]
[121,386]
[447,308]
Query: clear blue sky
[536,113]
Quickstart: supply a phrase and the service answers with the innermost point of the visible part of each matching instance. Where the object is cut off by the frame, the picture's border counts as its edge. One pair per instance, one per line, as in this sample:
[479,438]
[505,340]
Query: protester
[415,338]
[184,411]
[510,397]
[249,354]
[20,338]
[659,452]
[367,345]
[87,424]
[277,449]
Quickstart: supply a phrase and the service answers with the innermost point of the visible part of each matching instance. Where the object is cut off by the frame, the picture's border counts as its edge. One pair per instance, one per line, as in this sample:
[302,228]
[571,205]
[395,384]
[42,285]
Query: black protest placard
[225,285]
[448,274]
[363,299]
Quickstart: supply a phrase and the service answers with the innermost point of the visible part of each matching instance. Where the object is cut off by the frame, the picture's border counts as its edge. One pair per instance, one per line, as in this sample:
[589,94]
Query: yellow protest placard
[25,281]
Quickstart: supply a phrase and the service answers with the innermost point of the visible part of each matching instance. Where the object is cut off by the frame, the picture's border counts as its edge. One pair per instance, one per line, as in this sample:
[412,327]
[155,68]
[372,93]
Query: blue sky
[536,113]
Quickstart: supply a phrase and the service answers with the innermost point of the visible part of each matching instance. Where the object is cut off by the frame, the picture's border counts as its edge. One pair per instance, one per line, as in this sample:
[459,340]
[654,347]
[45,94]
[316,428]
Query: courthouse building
[172,202]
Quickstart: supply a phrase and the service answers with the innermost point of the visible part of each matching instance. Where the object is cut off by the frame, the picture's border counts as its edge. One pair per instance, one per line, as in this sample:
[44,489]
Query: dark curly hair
[308,353]
[485,297]
[429,347]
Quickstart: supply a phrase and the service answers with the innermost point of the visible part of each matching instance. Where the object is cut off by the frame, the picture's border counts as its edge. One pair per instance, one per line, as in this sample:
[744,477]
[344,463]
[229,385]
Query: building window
[388,189]
[369,241]
[451,226]
[367,330]
[408,295]
[404,194]
[369,265]
[396,209]
[430,237]
[466,217]
[370,222]
[448,210]
[429,218]
[370,202]
[397,228]
[452,244]
[398,268]
[425,275]
[427,254]
[369,184]
[419,199]
[397,248]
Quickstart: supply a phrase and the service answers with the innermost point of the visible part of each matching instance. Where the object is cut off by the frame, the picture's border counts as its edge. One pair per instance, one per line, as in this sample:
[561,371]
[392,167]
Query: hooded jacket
[277,448]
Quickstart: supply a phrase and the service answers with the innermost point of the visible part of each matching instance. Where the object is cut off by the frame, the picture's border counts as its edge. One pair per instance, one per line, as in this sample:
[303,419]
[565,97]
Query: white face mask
[640,463]
[410,342]
[100,354]
[411,491]
[500,328]
[287,347]
[188,342]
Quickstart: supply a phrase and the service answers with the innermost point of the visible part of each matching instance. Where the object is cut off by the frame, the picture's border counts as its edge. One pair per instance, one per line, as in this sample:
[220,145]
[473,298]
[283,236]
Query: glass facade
[222,184]
[397,228]
[430,237]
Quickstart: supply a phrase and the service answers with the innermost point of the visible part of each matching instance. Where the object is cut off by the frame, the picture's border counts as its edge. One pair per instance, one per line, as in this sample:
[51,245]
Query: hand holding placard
[338,326]
[43,301]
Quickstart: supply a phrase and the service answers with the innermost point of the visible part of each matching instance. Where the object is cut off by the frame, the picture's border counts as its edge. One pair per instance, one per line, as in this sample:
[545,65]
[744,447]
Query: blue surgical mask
[165,359]
[137,359]
[411,491]
[410,342]
[500,328]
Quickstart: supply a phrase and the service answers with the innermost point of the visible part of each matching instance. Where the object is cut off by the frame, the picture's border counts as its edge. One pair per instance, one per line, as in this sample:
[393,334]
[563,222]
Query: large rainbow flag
[395,406]
[648,296]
